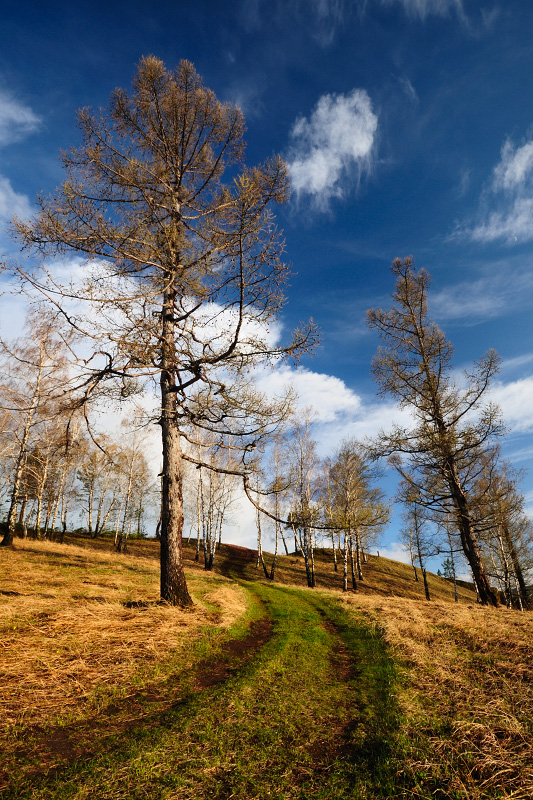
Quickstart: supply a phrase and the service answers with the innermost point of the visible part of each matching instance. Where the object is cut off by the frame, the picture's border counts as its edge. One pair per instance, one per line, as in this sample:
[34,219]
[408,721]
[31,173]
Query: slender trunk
[508,594]
[358,556]
[284,541]
[46,531]
[40,498]
[312,548]
[259,539]
[276,544]
[335,567]
[518,595]
[64,517]
[424,575]
[452,561]
[309,560]
[121,545]
[426,587]
[19,466]
[352,564]
[345,564]
[22,517]
[90,500]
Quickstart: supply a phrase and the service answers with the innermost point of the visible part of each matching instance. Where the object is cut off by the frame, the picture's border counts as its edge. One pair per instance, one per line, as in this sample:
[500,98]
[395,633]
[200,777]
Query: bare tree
[415,533]
[452,426]
[34,377]
[353,506]
[183,273]
[304,510]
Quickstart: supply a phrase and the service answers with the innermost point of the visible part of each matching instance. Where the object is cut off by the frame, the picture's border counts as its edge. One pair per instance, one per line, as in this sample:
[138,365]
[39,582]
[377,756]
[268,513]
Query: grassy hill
[261,690]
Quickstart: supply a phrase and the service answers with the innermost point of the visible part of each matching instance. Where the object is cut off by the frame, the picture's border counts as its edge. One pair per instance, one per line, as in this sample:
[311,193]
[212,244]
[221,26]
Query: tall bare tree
[452,426]
[183,272]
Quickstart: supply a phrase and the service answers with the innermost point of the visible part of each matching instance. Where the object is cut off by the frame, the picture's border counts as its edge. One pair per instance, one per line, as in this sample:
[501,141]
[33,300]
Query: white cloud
[335,141]
[516,401]
[12,203]
[327,395]
[396,551]
[514,224]
[16,119]
[323,17]
[425,8]
[517,361]
[510,194]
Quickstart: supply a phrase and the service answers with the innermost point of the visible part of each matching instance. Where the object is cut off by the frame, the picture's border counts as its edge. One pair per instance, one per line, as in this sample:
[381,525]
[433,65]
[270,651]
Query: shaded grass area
[311,715]
[382,577]
[77,666]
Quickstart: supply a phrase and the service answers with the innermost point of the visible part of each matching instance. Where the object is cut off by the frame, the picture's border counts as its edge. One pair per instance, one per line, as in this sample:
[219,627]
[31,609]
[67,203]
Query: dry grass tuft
[69,643]
[467,694]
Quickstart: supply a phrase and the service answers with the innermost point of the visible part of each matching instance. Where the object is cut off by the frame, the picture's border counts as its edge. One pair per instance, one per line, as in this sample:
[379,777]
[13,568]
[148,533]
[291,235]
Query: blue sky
[408,128]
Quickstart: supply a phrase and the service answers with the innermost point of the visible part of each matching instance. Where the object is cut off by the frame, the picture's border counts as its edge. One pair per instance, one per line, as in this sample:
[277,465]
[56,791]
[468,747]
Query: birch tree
[352,505]
[34,377]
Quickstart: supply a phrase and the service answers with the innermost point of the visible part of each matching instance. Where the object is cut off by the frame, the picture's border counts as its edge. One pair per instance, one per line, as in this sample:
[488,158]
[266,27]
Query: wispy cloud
[323,17]
[515,167]
[333,144]
[507,288]
[16,119]
[425,8]
[12,203]
[408,89]
[507,202]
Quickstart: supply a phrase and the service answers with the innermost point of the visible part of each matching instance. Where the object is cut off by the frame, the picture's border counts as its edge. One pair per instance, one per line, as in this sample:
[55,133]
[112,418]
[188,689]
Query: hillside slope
[261,690]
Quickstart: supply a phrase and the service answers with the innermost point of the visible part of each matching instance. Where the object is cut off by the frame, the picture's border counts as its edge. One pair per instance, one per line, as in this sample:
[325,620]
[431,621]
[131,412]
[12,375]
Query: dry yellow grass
[68,642]
[467,693]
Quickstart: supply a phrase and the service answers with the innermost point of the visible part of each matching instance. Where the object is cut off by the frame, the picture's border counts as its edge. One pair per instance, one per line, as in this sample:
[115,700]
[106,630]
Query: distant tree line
[55,473]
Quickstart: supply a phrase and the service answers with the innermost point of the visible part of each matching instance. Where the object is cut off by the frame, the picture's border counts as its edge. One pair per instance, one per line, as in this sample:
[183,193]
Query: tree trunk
[345,564]
[517,568]
[358,556]
[352,564]
[486,594]
[173,584]
[426,587]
